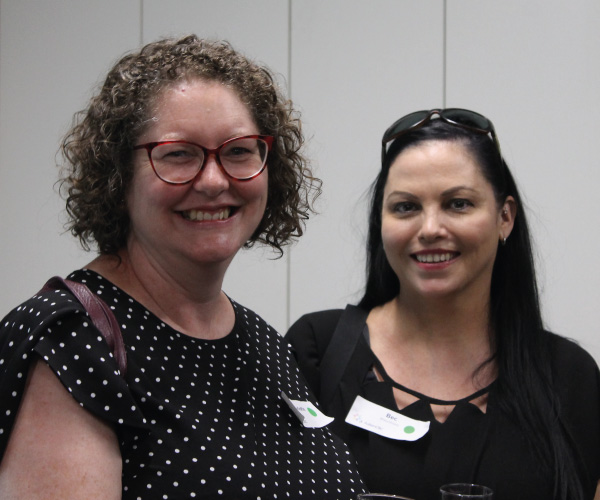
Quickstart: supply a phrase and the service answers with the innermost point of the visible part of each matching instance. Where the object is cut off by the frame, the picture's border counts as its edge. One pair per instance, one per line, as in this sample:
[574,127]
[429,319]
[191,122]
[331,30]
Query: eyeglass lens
[180,162]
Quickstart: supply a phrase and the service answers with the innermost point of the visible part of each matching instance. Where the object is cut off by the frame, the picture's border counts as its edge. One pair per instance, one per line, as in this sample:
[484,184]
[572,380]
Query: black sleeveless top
[470,446]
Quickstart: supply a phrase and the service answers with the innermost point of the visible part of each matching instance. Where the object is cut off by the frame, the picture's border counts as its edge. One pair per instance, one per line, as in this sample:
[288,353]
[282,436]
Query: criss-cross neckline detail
[424,397]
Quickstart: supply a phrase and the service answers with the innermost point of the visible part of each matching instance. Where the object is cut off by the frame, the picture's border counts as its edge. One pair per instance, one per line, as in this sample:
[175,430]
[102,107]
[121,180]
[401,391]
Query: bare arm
[597,495]
[58,450]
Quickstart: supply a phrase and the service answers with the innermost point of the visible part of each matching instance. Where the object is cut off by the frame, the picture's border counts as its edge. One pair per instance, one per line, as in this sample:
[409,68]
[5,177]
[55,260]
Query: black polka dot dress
[195,418]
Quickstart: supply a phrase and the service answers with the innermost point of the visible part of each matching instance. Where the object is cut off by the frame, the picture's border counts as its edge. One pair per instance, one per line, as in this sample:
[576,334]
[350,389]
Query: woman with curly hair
[187,153]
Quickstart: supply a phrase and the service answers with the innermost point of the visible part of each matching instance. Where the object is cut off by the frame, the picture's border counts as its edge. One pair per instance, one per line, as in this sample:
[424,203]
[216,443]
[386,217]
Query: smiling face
[209,219]
[441,222]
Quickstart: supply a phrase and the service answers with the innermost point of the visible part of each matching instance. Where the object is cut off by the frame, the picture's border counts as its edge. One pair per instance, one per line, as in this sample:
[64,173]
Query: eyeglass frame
[149,146]
[428,117]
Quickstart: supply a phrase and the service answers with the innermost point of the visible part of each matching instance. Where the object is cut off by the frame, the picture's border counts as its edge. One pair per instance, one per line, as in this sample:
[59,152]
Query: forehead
[435,163]
[197,104]
[198,92]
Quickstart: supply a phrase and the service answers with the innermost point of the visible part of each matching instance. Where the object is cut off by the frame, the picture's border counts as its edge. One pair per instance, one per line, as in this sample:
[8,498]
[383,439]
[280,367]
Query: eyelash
[466,203]
[401,207]
[408,207]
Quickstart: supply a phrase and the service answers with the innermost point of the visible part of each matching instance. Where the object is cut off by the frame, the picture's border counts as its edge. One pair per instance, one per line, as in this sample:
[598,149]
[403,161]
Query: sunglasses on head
[463,118]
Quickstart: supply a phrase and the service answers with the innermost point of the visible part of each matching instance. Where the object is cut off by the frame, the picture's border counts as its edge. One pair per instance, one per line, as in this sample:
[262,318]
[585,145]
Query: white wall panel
[356,67]
[51,55]
[259,29]
[534,68]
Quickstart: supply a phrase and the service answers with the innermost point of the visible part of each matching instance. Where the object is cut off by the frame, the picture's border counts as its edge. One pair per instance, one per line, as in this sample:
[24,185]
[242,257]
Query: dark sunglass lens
[404,124]
[467,118]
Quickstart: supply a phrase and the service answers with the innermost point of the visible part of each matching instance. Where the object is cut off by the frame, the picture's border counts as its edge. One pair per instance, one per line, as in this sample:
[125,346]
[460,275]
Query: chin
[204,256]
[217,257]
[436,292]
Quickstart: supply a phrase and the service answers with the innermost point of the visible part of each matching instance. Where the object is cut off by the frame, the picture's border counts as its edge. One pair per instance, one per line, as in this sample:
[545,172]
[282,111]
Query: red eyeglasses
[178,162]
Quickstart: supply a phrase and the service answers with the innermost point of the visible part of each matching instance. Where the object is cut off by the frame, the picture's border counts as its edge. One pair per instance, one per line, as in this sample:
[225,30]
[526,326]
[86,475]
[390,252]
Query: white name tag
[391,424]
[307,413]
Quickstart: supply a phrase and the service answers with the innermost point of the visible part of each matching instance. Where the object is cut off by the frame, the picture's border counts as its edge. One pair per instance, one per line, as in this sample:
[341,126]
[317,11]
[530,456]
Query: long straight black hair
[520,345]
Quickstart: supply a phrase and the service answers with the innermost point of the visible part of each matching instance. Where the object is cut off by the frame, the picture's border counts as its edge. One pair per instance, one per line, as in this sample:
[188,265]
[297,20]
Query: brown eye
[404,207]
[460,204]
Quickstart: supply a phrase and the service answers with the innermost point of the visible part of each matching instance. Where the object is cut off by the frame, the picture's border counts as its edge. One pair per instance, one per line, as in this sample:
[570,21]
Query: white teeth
[201,215]
[434,257]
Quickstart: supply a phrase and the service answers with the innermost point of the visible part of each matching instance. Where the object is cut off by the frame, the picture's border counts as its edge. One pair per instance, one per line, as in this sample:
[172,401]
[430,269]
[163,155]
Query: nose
[211,179]
[432,227]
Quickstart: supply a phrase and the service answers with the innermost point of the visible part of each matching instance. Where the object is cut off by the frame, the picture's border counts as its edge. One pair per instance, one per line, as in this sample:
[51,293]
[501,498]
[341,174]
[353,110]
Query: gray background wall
[352,67]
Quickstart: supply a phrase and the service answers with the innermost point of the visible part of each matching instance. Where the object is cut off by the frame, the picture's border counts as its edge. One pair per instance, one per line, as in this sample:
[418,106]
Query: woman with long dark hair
[448,337]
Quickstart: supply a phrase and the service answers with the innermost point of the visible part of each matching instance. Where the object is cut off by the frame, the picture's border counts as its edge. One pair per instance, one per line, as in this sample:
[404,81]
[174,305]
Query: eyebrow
[447,192]
[401,193]
[457,189]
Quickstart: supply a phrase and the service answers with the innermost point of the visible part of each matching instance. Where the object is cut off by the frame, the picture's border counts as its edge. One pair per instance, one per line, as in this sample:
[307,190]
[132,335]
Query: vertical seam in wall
[288,277]
[141,22]
[445,52]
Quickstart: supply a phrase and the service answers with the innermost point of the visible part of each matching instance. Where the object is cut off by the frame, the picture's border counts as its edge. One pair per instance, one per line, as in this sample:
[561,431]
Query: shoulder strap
[100,314]
[340,349]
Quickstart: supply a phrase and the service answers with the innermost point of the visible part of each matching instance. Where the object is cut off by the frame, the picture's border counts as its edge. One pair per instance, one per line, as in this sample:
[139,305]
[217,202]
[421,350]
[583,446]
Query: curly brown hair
[98,149]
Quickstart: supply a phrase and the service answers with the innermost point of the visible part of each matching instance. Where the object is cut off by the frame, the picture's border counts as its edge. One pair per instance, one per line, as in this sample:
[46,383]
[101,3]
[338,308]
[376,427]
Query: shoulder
[575,372]
[49,305]
[249,321]
[315,328]
[55,326]
[324,344]
[308,338]
[576,379]
[38,311]
[577,382]
[315,331]
[569,358]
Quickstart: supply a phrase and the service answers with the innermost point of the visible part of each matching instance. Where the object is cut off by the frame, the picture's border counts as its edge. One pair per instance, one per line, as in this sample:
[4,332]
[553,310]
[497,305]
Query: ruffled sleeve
[55,327]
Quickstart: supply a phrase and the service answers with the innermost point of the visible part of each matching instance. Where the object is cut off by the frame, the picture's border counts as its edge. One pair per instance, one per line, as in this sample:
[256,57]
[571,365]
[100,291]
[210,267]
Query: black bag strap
[100,314]
[339,351]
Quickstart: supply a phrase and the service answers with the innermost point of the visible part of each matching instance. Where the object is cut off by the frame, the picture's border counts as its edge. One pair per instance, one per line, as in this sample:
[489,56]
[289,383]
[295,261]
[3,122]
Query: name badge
[391,424]
[307,413]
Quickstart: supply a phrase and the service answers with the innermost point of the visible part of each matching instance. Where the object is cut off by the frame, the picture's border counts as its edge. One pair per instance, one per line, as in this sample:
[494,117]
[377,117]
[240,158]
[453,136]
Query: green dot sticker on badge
[385,422]
[307,413]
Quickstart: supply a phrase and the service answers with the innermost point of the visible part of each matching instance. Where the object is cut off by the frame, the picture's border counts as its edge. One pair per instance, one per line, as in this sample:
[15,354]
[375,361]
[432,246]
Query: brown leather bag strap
[100,314]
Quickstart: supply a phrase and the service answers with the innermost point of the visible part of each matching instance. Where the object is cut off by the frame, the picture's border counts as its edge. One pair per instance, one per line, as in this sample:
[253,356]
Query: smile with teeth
[200,215]
[434,257]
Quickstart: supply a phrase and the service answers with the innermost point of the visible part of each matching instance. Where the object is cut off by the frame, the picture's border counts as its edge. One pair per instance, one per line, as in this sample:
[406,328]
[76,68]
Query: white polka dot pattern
[195,418]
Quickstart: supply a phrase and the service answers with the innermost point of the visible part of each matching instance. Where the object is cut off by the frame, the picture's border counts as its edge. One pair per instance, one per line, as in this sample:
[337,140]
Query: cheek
[482,231]
[146,194]
[395,243]
[256,191]
[395,234]
[481,240]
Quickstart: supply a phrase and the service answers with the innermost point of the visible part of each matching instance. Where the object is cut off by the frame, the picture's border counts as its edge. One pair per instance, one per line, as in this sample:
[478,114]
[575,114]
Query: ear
[508,212]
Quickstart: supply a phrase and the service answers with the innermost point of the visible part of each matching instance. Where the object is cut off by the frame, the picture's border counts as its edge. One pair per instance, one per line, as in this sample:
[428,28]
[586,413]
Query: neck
[187,298]
[457,320]
[434,347]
